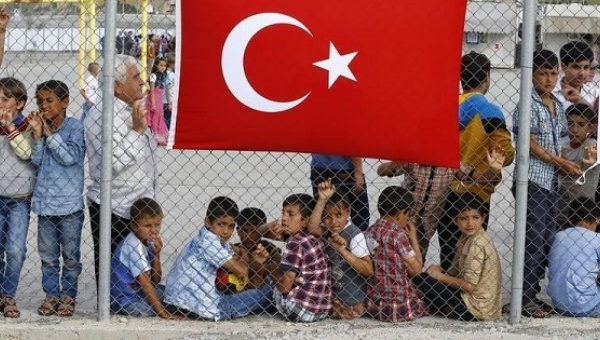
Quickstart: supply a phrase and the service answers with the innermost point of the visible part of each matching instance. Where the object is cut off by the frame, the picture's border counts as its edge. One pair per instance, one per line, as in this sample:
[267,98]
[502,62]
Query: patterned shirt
[547,132]
[429,185]
[392,296]
[305,255]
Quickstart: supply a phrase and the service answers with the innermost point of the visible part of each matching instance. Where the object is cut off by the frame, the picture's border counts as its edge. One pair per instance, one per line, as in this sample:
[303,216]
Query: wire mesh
[369,265]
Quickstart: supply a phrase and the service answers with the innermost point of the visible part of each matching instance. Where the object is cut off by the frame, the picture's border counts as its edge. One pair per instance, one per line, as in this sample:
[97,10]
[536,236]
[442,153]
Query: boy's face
[403,216]
[249,235]
[49,104]
[336,217]
[469,221]
[576,73]
[544,80]
[579,128]
[223,227]
[10,104]
[292,221]
[146,228]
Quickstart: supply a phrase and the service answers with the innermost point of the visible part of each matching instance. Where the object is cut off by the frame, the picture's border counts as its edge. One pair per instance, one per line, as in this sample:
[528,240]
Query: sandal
[10,309]
[532,310]
[506,308]
[547,308]
[66,307]
[48,307]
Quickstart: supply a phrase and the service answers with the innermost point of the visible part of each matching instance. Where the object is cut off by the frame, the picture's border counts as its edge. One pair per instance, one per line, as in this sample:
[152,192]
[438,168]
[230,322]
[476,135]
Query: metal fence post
[108,84]
[527,49]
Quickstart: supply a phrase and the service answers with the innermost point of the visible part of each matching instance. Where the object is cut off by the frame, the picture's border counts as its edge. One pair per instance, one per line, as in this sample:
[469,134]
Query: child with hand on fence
[192,283]
[249,221]
[394,247]
[17,176]
[90,90]
[349,259]
[302,281]
[582,151]
[136,267]
[58,151]
[471,289]
[547,125]
[573,272]
[154,101]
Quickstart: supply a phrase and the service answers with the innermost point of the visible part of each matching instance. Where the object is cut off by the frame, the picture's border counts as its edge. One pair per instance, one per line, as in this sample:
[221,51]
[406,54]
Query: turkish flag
[348,77]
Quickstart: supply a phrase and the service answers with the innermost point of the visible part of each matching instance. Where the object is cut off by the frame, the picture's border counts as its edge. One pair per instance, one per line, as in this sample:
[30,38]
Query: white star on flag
[337,65]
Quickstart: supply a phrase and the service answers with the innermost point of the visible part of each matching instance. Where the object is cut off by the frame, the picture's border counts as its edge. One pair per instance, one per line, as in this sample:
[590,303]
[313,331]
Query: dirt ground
[32,327]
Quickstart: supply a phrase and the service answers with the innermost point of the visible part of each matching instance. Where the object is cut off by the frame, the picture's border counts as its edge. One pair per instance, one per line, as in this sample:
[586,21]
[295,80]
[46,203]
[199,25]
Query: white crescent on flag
[232,61]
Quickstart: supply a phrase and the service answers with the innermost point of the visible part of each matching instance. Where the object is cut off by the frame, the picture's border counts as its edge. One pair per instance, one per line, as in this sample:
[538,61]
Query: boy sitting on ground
[349,259]
[471,289]
[135,267]
[302,282]
[191,284]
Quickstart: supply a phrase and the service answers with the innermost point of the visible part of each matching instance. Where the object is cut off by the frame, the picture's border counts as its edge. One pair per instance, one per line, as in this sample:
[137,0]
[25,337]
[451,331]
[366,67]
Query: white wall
[500,49]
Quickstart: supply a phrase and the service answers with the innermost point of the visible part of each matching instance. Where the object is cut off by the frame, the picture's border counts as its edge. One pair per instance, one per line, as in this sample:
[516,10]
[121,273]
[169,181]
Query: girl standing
[154,101]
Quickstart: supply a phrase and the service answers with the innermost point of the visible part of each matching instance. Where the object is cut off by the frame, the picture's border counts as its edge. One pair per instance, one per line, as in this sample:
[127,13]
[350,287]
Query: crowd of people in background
[334,263]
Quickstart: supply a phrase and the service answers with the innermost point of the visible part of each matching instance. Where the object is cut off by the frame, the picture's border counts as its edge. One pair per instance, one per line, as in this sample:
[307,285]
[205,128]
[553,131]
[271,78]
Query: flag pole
[108,98]
[521,179]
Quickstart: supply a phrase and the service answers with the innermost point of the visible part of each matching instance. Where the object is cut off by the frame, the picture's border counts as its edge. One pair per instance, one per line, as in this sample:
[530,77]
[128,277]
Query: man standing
[134,167]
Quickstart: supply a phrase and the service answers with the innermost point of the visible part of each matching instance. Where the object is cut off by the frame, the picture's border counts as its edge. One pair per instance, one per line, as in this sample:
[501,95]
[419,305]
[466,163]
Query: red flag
[348,77]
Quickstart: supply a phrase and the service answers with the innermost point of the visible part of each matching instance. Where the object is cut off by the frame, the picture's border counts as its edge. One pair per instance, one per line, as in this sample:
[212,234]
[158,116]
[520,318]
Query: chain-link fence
[389,272]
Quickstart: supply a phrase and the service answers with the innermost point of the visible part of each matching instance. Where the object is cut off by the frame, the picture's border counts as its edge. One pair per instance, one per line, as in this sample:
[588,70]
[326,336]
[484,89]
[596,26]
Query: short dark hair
[575,51]
[338,199]
[467,201]
[13,88]
[393,200]
[583,110]
[145,207]
[474,69]
[222,206]
[583,209]
[60,89]
[544,59]
[305,202]
[252,216]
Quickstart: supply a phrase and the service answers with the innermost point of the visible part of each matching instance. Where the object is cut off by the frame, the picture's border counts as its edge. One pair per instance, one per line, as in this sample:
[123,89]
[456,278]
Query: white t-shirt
[358,245]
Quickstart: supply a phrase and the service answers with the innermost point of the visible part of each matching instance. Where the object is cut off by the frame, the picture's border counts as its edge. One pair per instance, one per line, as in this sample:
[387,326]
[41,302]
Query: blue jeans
[60,235]
[234,306]
[14,225]
[141,308]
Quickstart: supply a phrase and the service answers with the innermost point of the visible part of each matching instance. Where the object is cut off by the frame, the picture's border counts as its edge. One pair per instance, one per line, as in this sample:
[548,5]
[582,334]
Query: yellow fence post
[144,9]
[82,41]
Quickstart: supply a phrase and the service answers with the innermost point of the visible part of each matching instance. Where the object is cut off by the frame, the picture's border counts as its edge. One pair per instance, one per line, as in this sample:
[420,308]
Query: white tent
[490,28]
